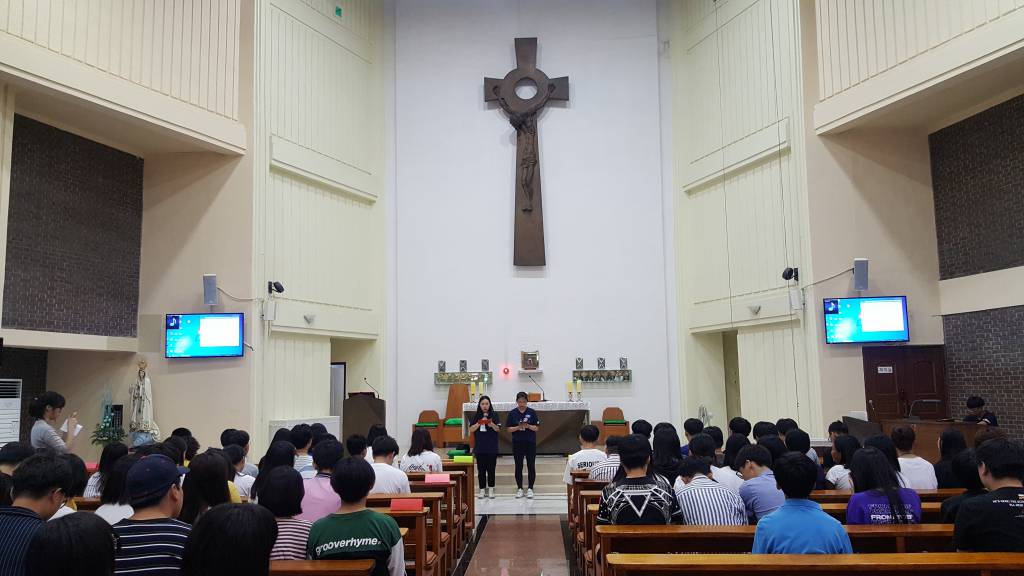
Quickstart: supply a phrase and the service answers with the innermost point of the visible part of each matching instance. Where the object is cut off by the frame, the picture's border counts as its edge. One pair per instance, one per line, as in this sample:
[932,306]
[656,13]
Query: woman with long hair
[421,456]
[114,500]
[733,445]
[951,443]
[206,485]
[111,454]
[280,453]
[878,497]
[666,461]
[46,409]
[843,449]
[484,427]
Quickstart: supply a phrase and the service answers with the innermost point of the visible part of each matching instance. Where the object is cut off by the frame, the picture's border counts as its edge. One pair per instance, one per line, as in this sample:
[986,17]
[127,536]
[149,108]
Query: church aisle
[521,546]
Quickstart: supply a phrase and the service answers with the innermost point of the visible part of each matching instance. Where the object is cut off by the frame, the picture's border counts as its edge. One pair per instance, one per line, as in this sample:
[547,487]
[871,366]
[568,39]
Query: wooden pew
[843,496]
[450,529]
[961,563]
[591,551]
[321,567]
[585,498]
[86,504]
[468,479]
[740,539]
[423,547]
[459,505]
[574,475]
[930,512]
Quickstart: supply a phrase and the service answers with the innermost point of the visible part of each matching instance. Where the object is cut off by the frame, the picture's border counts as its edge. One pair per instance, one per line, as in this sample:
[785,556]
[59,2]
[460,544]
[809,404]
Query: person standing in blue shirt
[799,526]
[523,422]
[484,427]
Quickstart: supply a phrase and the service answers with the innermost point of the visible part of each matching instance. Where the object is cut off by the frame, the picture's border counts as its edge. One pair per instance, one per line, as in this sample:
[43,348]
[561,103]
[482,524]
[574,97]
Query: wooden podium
[360,411]
[926,444]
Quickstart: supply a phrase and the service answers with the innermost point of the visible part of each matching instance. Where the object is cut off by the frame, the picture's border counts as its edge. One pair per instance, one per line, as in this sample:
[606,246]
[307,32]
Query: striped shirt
[705,502]
[17,528]
[605,470]
[292,536]
[151,547]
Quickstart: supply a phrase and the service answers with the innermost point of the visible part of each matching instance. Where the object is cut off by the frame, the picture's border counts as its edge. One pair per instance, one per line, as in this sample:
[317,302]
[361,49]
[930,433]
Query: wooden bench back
[930,512]
[740,539]
[468,480]
[416,540]
[843,496]
[987,564]
[87,504]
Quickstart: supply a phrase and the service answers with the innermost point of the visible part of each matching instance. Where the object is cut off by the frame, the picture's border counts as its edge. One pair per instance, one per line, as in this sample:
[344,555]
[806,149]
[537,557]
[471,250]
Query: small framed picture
[463,366]
[485,365]
[442,366]
[600,363]
[623,364]
[530,360]
[579,363]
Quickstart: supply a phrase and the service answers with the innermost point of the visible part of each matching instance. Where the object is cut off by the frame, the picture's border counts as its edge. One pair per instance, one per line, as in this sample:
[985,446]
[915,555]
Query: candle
[568,387]
[472,388]
[579,387]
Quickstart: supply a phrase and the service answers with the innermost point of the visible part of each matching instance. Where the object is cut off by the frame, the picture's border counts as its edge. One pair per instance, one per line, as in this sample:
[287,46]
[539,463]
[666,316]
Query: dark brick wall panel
[74,236]
[978,178]
[30,367]
[985,357]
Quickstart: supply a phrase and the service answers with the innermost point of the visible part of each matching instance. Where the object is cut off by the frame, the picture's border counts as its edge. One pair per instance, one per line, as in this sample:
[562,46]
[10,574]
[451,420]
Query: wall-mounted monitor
[204,335]
[866,320]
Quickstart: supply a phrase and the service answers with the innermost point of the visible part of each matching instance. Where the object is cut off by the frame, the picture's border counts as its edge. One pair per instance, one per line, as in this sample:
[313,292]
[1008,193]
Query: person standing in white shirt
[588,456]
[390,480]
[421,456]
[918,473]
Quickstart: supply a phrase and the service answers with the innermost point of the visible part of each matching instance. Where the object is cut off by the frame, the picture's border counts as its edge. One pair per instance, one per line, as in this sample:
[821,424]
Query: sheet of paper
[78,428]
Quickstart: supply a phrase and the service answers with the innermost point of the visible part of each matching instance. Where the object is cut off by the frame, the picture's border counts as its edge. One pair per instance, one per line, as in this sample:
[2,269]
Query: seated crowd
[770,482]
[167,508]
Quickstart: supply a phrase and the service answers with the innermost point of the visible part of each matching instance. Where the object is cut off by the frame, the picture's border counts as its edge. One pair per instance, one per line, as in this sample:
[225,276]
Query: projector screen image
[204,335]
[857,320]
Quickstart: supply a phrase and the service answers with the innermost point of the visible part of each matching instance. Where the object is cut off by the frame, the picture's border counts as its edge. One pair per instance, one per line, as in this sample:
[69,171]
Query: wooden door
[896,376]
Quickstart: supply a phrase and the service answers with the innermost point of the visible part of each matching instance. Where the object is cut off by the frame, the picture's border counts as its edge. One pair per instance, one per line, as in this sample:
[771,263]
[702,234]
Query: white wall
[603,290]
[873,54]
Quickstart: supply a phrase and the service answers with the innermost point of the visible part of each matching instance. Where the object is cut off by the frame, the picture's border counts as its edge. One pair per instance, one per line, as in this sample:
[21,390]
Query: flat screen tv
[204,335]
[866,320]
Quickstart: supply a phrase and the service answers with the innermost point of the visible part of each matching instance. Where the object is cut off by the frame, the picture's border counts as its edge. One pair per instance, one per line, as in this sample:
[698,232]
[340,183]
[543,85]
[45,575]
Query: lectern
[360,411]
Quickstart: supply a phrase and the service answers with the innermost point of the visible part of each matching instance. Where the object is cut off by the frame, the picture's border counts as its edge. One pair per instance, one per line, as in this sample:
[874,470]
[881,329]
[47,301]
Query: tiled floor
[520,546]
[541,504]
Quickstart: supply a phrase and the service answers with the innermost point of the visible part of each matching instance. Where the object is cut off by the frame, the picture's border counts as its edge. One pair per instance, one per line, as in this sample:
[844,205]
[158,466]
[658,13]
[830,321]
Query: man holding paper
[47,408]
[523,423]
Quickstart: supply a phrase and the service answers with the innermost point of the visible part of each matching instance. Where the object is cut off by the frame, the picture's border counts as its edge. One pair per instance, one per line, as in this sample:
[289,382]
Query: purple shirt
[320,500]
[872,507]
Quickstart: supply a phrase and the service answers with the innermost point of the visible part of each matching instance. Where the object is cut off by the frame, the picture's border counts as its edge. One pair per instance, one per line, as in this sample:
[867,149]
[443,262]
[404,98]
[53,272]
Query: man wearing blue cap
[152,540]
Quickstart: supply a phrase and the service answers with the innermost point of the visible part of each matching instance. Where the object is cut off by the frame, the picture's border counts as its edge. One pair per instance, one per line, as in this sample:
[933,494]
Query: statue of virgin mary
[142,427]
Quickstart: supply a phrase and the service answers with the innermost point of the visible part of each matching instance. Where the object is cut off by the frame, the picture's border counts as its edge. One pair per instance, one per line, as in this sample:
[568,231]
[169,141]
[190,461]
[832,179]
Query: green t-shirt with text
[360,535]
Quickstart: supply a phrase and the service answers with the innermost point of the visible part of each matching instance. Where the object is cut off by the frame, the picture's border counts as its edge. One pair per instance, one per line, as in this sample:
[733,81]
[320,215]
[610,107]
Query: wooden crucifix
[522,114]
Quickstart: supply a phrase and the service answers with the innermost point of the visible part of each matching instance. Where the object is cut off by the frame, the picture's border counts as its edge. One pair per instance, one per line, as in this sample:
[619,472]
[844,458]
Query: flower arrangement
[107,432]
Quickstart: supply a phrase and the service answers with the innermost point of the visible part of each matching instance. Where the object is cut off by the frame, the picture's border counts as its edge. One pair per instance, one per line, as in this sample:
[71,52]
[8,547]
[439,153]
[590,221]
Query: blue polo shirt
[513,420]
[800,527]
[761,496]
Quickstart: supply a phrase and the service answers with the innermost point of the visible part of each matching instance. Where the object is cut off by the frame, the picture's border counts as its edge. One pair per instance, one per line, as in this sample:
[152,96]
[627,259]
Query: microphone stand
[543,394]
[367,382]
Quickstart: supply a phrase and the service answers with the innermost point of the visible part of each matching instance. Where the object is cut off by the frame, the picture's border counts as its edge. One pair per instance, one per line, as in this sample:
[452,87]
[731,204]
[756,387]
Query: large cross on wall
[522,115]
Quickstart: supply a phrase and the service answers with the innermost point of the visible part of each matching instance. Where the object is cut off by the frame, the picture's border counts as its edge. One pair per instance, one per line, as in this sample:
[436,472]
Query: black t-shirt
[951,506]
[985,416]
[993,522]
[486,438]
[944,474]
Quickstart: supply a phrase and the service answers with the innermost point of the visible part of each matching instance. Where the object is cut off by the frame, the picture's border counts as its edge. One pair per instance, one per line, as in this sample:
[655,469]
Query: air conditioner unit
[10,410]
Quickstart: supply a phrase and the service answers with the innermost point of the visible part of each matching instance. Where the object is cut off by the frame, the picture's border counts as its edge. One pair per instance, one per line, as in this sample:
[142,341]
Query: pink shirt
[320,500]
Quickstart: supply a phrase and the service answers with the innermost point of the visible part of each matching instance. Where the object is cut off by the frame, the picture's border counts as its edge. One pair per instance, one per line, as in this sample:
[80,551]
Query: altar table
[560,424]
